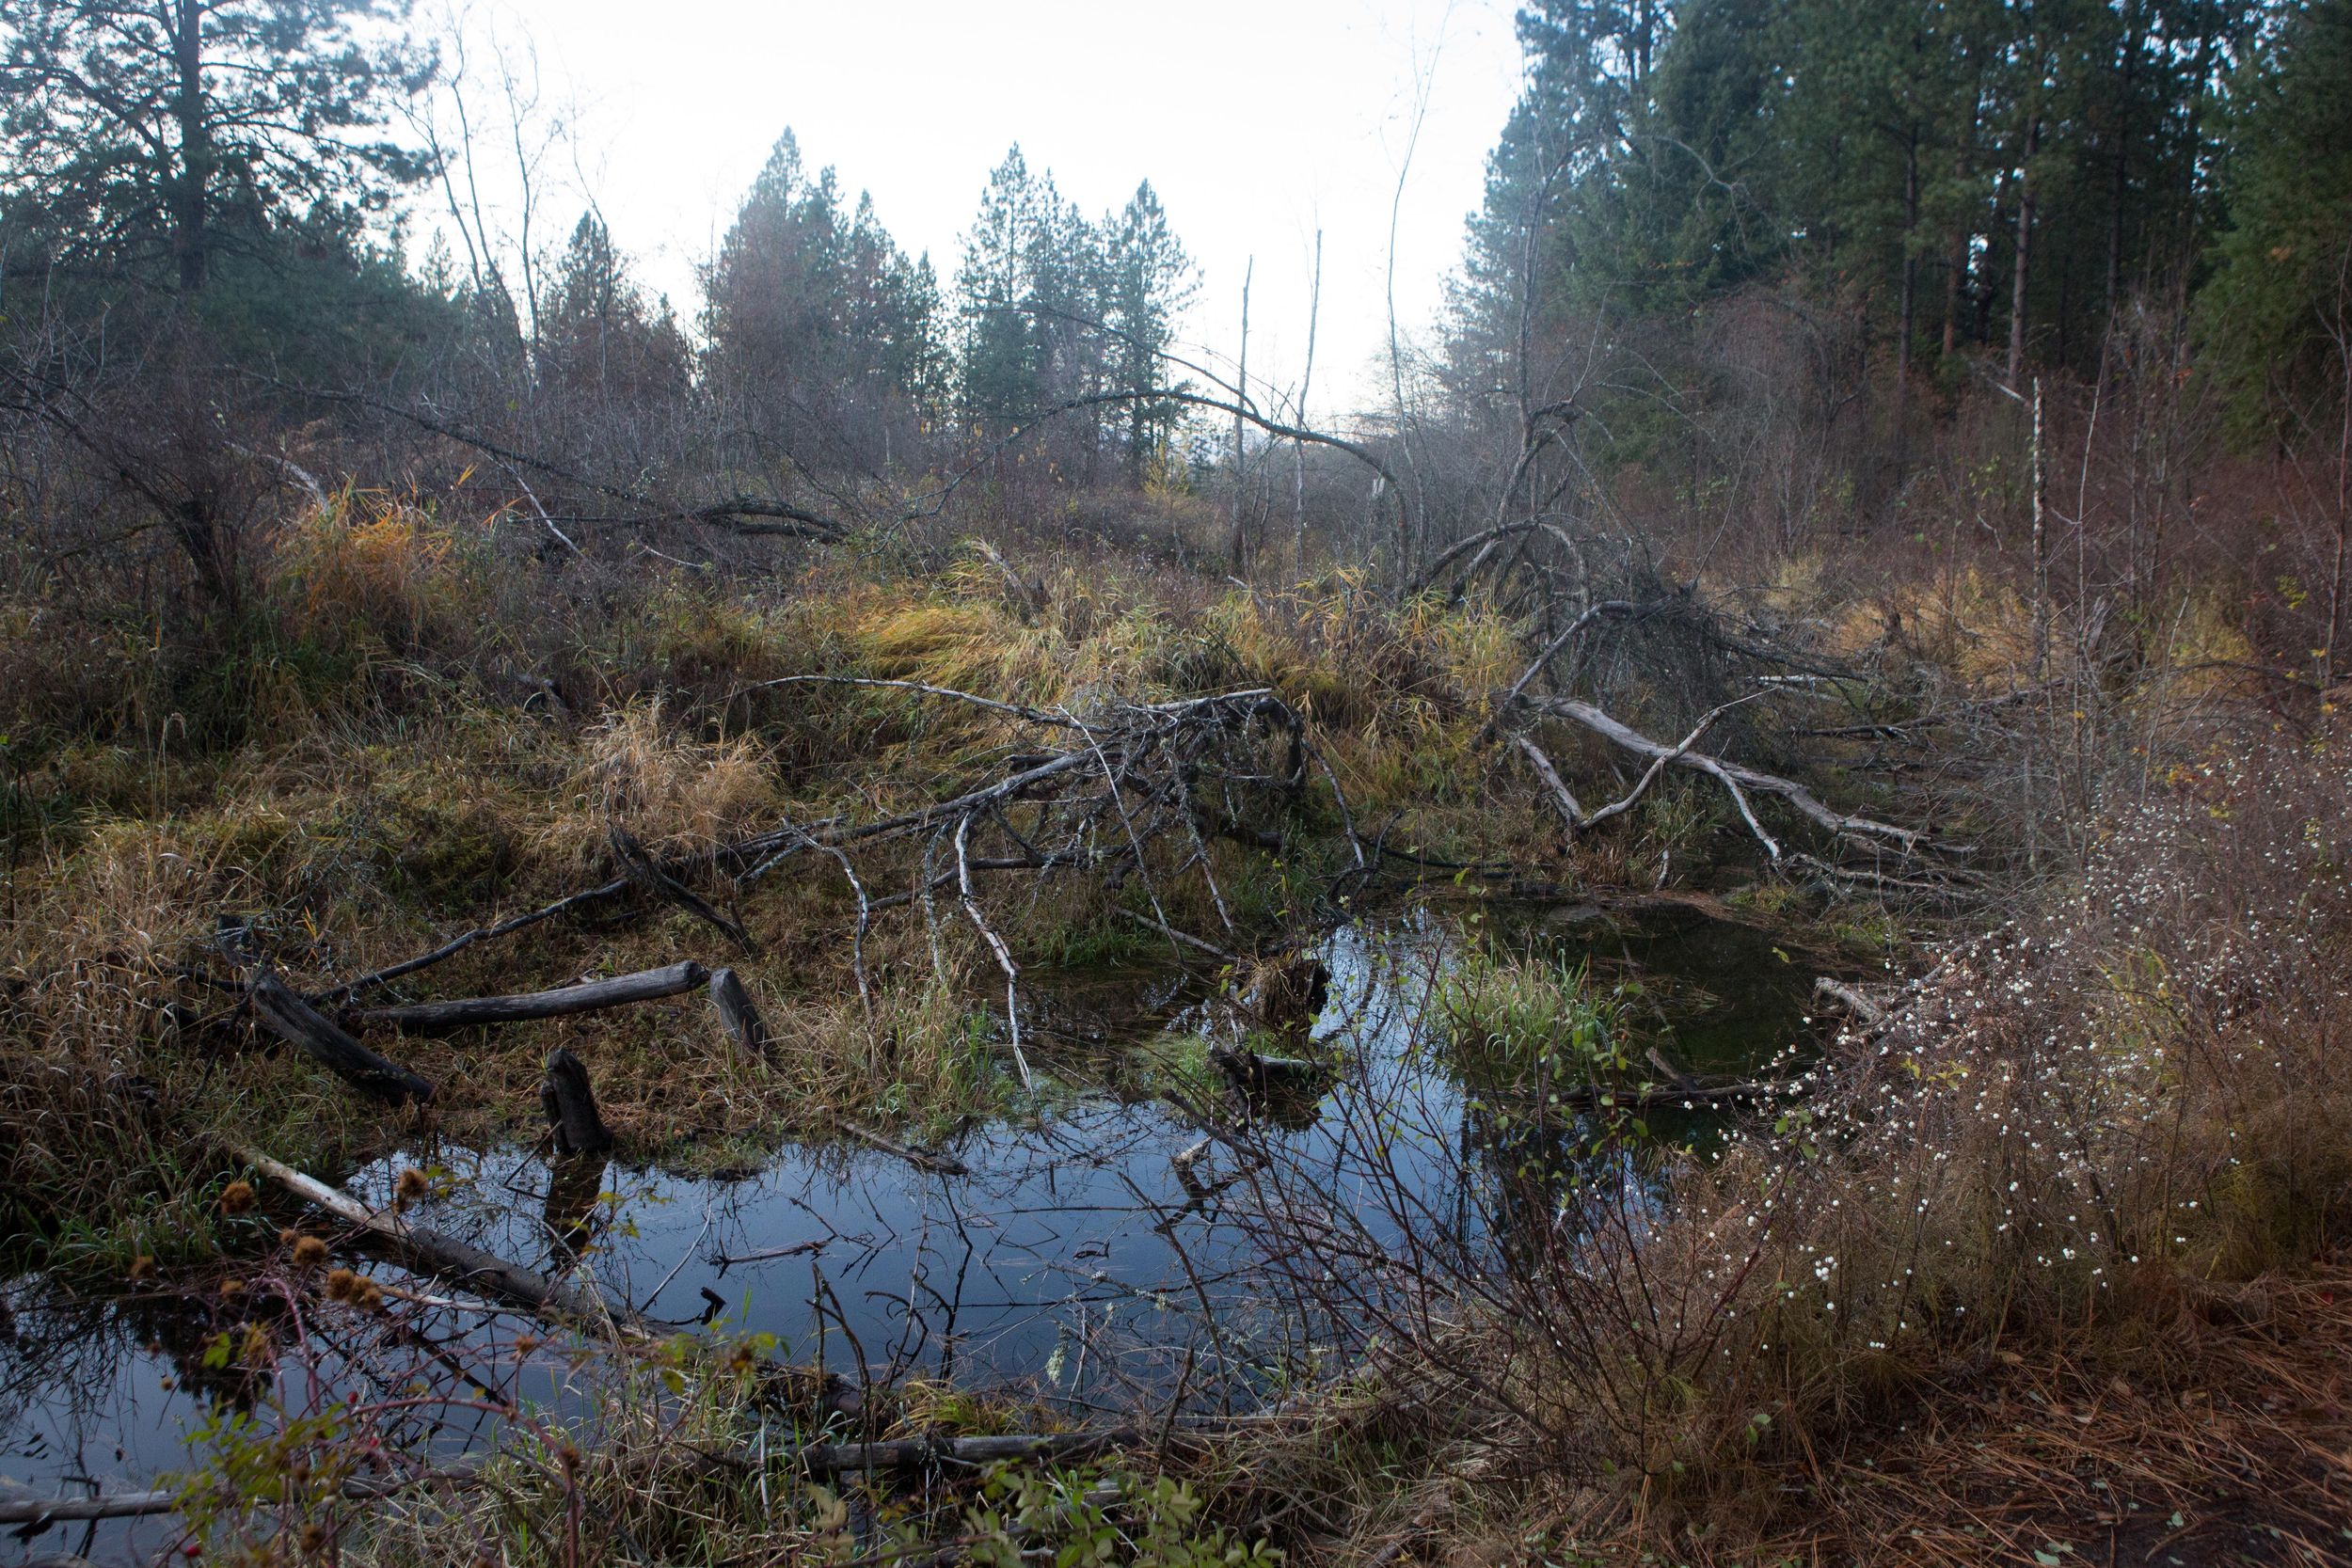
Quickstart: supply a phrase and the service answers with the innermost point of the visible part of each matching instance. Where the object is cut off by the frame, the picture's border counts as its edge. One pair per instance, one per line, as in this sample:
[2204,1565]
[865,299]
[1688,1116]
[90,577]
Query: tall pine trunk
[189,241]
[2023,279]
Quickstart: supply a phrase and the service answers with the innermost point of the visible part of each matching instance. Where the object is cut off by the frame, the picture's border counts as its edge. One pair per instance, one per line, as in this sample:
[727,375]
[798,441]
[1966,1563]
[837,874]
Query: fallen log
[430,1252]
[645,986]
[278,1009]
[571,1106]
[736,1014]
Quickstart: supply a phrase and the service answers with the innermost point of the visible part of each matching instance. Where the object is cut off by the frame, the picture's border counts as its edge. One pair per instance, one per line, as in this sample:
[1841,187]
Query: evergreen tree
[599,337]
[817,322]
[151,135]
[2277,318]
[1151,281]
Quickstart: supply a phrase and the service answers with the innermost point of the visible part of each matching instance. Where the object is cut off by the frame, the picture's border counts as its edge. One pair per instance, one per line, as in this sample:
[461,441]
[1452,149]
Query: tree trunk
[2023,277]
[1908,314]
[1241,400]
[189,241]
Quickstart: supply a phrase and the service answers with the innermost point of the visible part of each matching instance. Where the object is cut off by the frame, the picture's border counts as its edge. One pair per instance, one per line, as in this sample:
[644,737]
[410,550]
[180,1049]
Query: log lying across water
[424,1018]
[431,1252]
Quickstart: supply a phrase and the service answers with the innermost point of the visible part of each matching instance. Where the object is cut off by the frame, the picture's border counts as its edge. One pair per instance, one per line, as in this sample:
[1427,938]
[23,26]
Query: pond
[1103,1256]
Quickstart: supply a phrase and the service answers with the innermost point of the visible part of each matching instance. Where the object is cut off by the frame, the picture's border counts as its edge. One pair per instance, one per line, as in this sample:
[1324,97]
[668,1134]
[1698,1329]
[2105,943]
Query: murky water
[1098,1256]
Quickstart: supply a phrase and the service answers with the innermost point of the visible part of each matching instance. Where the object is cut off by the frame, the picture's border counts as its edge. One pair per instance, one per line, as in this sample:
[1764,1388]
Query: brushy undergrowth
[2076,1144]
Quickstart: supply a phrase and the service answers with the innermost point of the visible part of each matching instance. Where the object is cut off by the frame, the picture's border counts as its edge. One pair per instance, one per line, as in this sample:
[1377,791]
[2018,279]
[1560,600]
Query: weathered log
[570,1104]
[283,1013]
[736,1014]
[645,985]
[429,1251]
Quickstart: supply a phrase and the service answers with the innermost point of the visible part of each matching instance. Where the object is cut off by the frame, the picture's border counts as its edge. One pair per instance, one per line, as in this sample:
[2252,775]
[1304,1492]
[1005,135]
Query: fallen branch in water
[938,1165]
[429,1251]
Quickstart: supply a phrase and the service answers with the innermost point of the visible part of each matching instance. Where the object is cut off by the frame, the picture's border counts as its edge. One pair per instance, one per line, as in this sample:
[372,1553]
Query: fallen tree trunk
[645,986]
[431,1252]
[278,1009]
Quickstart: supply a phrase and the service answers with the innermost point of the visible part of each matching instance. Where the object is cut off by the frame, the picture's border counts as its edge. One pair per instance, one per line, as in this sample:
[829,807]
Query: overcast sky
[1257,121]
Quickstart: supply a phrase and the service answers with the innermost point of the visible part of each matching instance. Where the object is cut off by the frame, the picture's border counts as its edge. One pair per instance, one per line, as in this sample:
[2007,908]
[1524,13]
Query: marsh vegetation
[901,923]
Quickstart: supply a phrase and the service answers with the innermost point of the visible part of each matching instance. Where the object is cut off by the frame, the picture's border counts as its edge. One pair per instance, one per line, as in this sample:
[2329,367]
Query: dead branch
[922,1159]
[1738,782]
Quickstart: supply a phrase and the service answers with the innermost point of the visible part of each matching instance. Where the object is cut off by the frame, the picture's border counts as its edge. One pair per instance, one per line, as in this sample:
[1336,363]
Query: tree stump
[737,1015]
[571,1106]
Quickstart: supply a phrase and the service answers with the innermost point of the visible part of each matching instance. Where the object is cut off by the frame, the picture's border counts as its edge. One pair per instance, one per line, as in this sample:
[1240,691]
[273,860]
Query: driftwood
[645,986]
[278,1009]
[570,1104]
[431,1252]
[736,1014]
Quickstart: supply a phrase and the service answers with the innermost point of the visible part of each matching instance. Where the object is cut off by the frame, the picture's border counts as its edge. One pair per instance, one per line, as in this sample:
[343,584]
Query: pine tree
[151,135]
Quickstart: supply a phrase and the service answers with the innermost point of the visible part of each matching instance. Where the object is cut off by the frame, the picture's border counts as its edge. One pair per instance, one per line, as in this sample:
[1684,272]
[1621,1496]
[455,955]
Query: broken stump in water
[571,1106]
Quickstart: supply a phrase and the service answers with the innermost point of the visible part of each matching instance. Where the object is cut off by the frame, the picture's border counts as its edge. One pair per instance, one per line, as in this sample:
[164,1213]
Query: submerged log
[737,1015]
[645,986]
[431,1252]
[922,1159]
[283,1013]
[571,1106]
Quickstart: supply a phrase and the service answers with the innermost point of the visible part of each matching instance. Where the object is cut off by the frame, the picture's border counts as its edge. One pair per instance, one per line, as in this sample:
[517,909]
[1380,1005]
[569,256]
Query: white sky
[1256,120]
